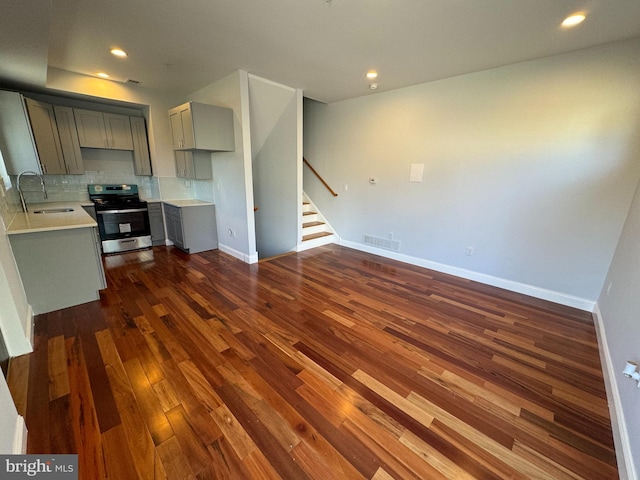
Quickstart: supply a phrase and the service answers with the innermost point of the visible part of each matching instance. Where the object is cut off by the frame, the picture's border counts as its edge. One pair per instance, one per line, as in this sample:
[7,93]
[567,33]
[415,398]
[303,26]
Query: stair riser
[310,218]
[314,229]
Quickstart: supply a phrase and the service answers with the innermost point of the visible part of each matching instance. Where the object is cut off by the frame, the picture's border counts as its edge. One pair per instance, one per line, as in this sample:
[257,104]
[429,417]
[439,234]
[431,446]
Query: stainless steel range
[123,219]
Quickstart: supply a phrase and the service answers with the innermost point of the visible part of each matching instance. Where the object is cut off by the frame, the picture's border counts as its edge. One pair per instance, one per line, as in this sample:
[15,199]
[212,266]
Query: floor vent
[381,242]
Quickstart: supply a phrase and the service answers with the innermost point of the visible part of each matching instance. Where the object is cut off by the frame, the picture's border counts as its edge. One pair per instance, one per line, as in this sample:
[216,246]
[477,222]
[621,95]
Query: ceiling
[322,47]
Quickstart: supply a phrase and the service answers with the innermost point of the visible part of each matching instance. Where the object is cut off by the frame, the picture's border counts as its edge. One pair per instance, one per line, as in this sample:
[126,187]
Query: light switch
[417,169]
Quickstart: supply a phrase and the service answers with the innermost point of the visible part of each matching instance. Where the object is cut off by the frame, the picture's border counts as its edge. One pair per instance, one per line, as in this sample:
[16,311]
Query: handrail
[319,177]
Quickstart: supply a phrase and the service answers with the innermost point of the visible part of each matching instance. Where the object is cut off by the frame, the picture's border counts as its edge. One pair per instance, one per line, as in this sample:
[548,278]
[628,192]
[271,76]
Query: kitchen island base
[59,268]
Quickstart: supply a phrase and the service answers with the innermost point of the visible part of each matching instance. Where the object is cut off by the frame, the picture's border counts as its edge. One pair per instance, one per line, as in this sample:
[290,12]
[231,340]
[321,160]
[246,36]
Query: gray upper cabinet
[193,164]
[103,130]
[69,143]
[197,126]
[37,136]
[141,158]
[45,135]
[16,142]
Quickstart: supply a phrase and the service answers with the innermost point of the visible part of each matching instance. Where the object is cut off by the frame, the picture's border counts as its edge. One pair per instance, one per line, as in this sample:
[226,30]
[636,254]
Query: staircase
[315,230]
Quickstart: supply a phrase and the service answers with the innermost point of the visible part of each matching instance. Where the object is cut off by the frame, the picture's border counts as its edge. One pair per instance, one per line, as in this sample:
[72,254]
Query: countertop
[44,222]
[191,202]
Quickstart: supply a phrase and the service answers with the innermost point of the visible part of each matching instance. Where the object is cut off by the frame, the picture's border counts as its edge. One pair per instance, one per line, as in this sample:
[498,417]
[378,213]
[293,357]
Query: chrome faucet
[44,190]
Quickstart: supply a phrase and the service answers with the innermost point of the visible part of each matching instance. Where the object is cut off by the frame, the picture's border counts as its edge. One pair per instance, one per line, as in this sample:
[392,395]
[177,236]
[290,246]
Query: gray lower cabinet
[192,228]
[156,223]
[59,268]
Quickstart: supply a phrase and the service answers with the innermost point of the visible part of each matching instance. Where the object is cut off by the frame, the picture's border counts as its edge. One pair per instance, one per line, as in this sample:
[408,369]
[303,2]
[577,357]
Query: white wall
[619,314]
[274,126]
[232,174]
[533,165]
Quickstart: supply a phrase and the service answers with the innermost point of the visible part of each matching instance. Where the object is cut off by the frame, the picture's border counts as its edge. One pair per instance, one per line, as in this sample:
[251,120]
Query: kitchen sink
[54,210]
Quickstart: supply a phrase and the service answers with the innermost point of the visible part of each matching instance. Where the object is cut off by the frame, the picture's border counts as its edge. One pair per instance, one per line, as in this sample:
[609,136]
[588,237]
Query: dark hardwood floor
[330,363]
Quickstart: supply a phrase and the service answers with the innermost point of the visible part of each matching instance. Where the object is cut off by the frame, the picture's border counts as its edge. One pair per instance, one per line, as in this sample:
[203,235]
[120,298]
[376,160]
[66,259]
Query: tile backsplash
[73,188]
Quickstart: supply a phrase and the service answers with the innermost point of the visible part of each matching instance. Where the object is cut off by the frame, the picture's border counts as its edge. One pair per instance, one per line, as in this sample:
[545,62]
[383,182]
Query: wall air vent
[132,82]
[381,242]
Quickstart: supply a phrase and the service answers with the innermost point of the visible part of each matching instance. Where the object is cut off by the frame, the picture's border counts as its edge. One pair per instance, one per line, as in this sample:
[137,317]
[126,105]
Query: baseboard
[246,258]
[624,455]
[29,327]
[533,291]
[23,341]
[20,437]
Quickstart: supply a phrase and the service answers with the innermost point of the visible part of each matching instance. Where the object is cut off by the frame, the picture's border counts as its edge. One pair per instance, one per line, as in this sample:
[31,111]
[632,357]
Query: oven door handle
[128,210]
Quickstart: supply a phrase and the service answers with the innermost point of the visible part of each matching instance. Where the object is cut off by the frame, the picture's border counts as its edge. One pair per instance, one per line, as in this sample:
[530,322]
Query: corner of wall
[624,455]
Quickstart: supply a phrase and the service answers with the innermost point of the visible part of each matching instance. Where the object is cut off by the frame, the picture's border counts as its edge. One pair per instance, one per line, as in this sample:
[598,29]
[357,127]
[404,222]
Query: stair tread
[316,235]
[309,213]
[312,224]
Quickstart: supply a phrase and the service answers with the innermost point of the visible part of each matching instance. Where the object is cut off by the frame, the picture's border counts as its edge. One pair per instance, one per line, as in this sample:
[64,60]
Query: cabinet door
[141,159]
[181,167]
[69,140]
[118,129]
[174,225]
[188,140]
[175,120]
[45,135]
[91,128]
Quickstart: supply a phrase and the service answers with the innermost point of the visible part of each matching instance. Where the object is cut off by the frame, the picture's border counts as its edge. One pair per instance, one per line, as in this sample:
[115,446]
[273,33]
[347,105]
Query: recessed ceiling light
[372,74]
[118,52]
[102,75]
[573,20]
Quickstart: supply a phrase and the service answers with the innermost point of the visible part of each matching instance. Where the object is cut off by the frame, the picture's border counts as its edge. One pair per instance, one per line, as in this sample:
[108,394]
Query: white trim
[246,258]
[624,455]
[23,344]
[316,242]
[20,437]
[531,290]
[30,328]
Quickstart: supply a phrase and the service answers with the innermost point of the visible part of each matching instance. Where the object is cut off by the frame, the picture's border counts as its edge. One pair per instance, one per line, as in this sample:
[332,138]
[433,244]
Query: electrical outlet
[470,251]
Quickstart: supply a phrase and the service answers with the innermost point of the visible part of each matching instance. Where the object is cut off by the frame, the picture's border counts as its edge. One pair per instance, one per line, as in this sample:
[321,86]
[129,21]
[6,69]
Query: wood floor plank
[58,376]
[84,417]
[137,436]
[328,363]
